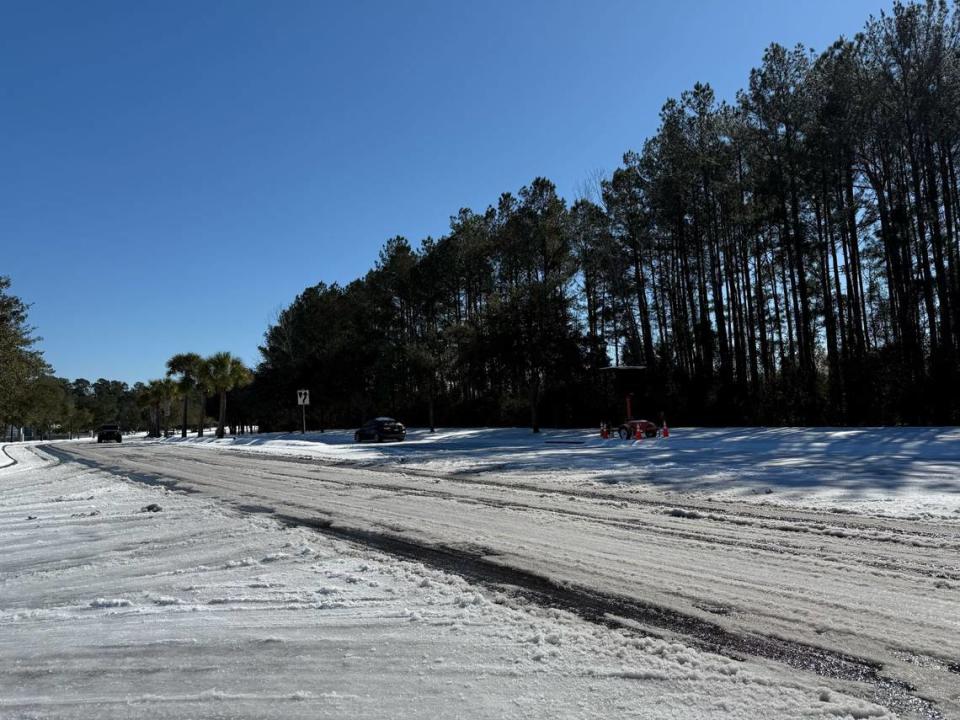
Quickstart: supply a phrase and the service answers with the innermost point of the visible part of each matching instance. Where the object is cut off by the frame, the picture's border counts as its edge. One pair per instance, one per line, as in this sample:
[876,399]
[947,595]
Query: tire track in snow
[488,478]
[11,458]
[613,611]
[777,519]
[781,528]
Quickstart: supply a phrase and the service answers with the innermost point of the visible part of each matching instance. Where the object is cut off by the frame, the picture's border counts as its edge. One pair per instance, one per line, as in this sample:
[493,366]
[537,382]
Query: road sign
[303,399]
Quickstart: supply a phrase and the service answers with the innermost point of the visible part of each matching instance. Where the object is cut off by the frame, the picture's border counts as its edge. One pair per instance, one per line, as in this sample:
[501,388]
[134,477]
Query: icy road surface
[870,602]
[111,610]
[891,471]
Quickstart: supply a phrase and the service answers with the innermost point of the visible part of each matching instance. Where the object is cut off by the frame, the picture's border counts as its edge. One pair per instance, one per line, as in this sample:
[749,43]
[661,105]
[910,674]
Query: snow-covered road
[905,471]
[111,608]
[862,597]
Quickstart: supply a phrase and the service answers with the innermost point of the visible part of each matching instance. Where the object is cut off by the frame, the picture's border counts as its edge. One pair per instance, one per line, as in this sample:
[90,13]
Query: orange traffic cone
[666,431]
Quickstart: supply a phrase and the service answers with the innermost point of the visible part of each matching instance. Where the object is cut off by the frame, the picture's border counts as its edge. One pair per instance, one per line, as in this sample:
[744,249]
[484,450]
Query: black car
[379,430]
[109,433]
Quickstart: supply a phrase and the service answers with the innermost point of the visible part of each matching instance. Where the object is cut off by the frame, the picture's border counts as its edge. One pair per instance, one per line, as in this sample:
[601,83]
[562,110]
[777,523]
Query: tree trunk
[534,399]
[223,413]
[430,408]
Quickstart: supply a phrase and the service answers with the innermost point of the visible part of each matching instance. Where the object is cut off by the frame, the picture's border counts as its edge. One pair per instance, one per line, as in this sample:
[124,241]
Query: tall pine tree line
[792,257]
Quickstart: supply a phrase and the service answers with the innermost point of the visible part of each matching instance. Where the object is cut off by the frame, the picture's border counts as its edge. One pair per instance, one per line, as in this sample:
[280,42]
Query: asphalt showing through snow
[868,600]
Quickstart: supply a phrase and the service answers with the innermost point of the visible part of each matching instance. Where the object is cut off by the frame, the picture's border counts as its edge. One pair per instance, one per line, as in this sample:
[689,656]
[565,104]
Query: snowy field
[111,610]
[886,471]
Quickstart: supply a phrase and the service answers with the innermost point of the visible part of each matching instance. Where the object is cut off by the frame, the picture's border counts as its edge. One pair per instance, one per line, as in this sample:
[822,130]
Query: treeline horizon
[32,396]
[788,258]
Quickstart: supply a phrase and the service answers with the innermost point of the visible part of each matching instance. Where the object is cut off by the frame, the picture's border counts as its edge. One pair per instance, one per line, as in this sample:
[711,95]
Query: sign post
[303,399]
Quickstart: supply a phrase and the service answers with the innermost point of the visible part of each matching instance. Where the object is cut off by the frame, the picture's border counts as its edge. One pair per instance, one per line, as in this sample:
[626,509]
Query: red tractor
[631,428]
[627,378]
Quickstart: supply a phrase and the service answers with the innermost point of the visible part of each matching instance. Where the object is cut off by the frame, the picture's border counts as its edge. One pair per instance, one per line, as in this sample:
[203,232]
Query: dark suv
[108,433]
[380,429]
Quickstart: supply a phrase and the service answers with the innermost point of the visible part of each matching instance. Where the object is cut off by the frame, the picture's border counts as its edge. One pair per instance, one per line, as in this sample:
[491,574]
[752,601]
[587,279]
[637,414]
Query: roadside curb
[13,460]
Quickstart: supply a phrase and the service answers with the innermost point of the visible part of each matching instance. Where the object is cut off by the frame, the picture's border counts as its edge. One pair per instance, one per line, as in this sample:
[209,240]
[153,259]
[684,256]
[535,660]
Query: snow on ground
[109,609]
[903,471]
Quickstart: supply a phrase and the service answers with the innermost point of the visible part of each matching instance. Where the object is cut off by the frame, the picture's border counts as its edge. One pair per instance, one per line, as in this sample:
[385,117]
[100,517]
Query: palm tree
[157,396]
[168,392]
[145,400]
[224,373]
[187,366]
[204,388]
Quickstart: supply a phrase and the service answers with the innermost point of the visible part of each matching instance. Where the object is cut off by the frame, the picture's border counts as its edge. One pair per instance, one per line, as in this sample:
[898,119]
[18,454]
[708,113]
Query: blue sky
[173,173]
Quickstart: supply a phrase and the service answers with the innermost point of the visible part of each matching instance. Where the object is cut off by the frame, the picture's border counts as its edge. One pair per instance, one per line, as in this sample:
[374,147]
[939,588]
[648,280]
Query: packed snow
[902,471]
[122,599]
